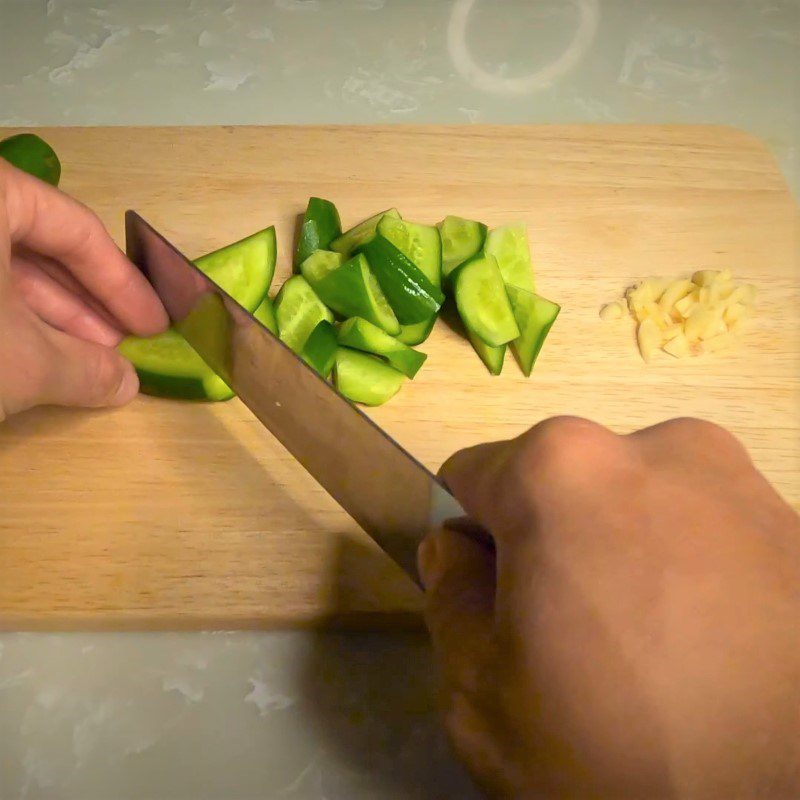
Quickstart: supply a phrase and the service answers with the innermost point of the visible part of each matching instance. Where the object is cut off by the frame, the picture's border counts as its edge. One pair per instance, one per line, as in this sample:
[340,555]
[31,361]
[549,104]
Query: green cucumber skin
[492,357]
[321,225]
[348,243]
[182,387]
[319,351]
[360,334]
[418,332]
[365,379]
[495,332]
[535,317]
[411,295]
[427,257]
[32,154]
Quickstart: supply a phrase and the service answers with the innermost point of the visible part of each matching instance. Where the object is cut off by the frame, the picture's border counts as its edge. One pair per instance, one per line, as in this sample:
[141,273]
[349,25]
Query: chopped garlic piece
[678,347]
[673,293]
[685,306]
[612,311]
[649,339]
[705,277]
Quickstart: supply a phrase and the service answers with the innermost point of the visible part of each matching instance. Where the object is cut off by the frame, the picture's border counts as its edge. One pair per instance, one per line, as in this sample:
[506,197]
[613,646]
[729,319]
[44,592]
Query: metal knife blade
[393,497]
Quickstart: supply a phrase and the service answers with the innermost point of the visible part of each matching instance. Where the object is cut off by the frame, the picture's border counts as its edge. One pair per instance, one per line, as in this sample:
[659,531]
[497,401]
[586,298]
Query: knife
[393,497]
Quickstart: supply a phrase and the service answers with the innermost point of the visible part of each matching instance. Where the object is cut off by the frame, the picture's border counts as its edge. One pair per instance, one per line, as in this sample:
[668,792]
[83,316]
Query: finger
[50,222]
[459,577]
[59,307]
[87,374]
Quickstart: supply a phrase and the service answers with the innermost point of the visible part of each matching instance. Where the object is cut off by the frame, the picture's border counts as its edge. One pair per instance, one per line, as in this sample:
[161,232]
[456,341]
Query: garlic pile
[685,317]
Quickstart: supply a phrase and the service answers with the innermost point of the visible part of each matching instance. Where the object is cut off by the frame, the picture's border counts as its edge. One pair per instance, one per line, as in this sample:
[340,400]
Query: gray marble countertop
[324,716]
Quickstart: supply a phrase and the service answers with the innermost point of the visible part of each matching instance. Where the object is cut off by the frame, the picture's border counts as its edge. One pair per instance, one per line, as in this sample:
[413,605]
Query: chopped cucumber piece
[411,295]
[32,154]
[359,334]
[422,244]
[265,314]
[535,317]
[365,379]
[319,351]
[243,269]
[168,367]
[321,225]
[349,242]
[298,311]
[418,332]
[509,245]
[461,240]
[352,291]
[492,357]
[319,264]
[482,301]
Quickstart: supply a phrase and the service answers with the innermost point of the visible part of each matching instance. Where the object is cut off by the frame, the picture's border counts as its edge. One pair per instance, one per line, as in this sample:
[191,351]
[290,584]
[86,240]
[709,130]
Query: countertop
[313,715]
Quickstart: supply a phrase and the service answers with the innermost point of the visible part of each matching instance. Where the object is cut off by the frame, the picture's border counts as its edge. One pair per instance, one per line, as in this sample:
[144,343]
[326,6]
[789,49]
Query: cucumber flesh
[492,357]
[265,314]
[411,295]
[319,264]
[421,244]
[482,301]
[359,334]
[243,269]
[535,317]
[352,291]
[461,240]
[365,379]
[509,245]
[168,366]
[321,225]
[298,311]
[350,241]
[418,332]
[319,351]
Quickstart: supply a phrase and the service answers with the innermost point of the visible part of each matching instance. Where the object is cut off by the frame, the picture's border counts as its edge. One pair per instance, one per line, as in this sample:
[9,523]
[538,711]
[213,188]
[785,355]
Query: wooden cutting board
[169,515]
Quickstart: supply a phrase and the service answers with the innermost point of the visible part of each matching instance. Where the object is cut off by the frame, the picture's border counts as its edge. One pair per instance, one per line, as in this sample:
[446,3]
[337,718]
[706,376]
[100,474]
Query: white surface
[301,715]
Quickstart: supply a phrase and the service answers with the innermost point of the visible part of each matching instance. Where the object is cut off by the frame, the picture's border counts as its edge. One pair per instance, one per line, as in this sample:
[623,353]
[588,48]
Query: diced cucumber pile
[361,300]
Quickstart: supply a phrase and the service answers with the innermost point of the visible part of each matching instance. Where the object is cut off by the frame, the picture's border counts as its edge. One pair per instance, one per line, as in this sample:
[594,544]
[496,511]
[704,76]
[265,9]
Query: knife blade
[390,494]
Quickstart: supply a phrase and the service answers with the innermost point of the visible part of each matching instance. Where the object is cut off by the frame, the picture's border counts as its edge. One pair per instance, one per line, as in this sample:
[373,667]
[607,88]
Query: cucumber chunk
[321,225]
[243,269]
[167,366]
[298,311]
[421,244]
[492,357]
[359,334]
[350,241]
[32,154]
[461,240]
[418,332]
[365,379]
[319,351]
[265,314]
[319,264]
[482,301]
[535,317]
[350,290]
[509,245]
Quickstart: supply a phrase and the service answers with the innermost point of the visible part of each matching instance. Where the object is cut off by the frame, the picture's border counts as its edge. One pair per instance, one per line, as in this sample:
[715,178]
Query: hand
[635,633]
[67,293]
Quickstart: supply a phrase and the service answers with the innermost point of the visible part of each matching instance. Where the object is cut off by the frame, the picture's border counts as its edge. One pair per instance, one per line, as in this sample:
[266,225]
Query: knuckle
[704,434]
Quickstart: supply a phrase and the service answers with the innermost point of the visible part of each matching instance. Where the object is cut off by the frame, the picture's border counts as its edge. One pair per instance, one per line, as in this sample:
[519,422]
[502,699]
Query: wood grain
[166,515]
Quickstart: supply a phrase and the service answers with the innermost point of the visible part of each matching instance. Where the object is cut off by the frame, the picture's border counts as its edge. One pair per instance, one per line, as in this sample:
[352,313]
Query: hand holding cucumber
[67,295]
[634,631]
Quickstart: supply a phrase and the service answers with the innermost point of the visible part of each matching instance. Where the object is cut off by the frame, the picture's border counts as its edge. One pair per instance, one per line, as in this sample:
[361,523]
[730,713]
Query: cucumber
[418,332]
[319,351]
[461,240]
[359,334]
[365,379]
[319,264]
[321,225]
[351,290]
[349,242]
[243,269]
[422,244]
[265,314]
[168,367]
[492,357]
[535,317]
[509,245]
[410,293]
[32,154]
[298,311]
[482,301]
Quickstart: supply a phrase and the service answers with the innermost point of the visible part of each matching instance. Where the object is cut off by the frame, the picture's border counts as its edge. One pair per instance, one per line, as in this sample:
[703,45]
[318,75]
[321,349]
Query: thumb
[458,571]
[84,373]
